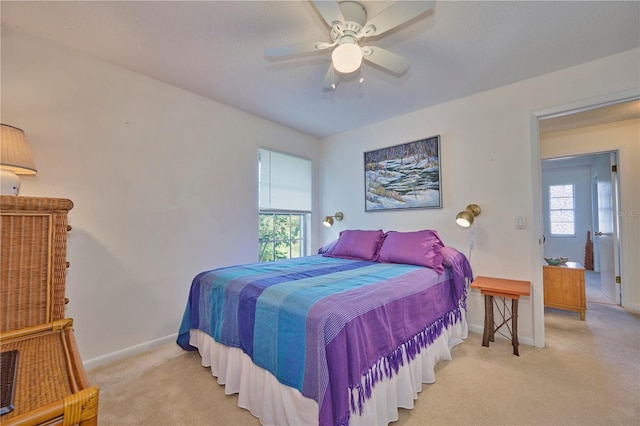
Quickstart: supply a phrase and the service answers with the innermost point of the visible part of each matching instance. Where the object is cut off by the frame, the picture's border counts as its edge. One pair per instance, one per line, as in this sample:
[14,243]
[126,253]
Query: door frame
[536,192]
[612,157]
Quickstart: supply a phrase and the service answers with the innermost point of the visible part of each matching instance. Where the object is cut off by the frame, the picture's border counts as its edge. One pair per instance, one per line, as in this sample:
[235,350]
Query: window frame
[302,239]
[551,210]
[284,189]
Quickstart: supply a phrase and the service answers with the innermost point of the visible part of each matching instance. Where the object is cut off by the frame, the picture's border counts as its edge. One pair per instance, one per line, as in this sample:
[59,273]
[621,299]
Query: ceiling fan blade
[385,59]
[331,79]
[293,49]
[396,14]
[330,11]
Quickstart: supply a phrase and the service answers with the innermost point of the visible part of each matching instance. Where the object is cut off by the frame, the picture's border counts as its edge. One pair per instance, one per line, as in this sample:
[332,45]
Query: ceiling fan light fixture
[349,24]
[347,58]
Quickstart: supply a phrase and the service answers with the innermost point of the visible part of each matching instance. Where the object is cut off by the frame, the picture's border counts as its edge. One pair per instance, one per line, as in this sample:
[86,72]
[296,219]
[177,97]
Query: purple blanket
[332,328]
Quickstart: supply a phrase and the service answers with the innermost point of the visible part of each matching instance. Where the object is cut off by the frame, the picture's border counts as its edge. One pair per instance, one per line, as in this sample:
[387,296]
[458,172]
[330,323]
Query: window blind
[284,181]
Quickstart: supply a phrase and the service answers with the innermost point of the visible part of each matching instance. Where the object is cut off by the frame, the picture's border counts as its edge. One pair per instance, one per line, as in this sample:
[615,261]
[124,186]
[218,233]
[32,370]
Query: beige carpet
[594,294]
[589,374]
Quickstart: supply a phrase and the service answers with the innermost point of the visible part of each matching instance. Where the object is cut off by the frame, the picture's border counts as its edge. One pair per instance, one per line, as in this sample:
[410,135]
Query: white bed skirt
[276,404]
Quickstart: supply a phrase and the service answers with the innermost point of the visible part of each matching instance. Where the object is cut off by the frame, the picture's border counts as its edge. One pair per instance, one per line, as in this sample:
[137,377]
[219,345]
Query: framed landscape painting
[405,176]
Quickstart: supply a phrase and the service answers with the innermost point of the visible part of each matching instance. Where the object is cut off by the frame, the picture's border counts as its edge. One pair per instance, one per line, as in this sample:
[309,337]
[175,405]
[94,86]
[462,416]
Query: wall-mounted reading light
[328,221]
[465,217]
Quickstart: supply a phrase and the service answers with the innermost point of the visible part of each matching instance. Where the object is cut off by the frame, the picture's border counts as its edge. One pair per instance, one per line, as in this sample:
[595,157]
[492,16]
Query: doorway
[578,224]
[570,114]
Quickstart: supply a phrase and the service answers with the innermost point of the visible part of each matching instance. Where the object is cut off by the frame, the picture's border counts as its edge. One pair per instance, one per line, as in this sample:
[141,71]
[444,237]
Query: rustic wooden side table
[504,289]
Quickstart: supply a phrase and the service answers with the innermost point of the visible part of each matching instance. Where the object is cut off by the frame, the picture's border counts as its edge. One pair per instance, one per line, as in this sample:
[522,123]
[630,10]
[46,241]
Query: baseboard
[134,350]
[635,309]
[522,340]
[127,352]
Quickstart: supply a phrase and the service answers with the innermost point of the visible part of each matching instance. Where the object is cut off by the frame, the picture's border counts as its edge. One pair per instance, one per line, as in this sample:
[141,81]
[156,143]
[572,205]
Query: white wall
[623,137]
[164,184]
[487,148]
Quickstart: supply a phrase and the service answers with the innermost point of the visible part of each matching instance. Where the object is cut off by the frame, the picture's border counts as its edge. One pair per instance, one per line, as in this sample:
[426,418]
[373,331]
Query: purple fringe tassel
[389,365]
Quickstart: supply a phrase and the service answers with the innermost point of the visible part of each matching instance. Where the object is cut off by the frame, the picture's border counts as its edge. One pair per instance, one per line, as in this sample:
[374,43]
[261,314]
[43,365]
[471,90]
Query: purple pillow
[327,247]
[448,255]
[358,244]
[422,248]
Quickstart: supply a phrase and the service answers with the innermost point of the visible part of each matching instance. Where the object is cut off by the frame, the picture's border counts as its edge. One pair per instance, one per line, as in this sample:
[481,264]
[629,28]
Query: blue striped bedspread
[329,327]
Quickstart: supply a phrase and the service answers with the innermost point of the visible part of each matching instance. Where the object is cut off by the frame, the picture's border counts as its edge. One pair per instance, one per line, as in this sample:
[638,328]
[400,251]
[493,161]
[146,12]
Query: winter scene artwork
[404,176]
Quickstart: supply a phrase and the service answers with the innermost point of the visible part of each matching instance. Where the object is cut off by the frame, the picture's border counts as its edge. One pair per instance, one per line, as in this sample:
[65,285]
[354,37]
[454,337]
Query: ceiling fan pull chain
[333,84]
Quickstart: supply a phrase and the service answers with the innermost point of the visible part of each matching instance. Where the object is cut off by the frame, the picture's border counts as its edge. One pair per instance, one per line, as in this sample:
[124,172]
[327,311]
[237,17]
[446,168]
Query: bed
[343,337]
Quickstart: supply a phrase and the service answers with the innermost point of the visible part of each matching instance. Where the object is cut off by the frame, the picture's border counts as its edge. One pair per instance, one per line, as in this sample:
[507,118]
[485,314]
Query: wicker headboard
[33,250]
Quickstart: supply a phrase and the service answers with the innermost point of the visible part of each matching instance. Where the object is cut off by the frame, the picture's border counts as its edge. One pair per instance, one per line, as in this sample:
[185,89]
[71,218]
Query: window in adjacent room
[284,183]
[562,210]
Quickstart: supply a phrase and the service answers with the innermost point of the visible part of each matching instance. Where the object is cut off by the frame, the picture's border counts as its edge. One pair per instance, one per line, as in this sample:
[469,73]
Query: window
[562,210]
[284,205]
[281,235]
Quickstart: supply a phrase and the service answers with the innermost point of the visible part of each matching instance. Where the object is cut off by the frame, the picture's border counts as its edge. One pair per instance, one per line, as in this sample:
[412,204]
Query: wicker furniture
[33,248]
[51,385]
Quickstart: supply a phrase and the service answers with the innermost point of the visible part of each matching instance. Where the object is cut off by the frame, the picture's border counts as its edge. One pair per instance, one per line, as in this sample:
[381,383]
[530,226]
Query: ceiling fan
[349,26]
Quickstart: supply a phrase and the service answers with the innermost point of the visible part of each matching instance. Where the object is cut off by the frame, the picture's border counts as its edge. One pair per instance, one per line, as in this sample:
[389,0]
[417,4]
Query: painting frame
[404,176]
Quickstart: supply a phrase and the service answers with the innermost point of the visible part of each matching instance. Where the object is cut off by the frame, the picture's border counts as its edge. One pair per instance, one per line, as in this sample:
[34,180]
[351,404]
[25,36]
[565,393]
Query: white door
[606,234]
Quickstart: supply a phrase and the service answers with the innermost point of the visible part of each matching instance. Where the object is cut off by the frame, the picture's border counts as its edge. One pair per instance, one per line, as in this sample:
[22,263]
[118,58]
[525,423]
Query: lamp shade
[15,159]
[328,220]
[465,218]
[347,58]
[15,154]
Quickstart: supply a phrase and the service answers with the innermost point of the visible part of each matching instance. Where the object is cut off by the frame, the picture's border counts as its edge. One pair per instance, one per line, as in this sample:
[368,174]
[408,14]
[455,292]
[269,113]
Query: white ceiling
[216,49]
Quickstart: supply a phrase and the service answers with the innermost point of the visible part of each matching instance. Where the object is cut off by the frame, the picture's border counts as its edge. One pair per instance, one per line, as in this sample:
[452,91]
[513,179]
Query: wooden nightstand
[504,289]
[564,287]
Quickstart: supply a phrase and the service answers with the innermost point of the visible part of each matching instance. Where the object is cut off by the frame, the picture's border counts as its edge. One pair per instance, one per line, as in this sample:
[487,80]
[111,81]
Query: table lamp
[15,159]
